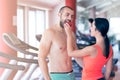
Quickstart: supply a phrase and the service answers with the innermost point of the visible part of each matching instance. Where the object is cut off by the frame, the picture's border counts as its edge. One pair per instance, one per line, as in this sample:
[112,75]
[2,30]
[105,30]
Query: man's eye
[72,16]
[67,14]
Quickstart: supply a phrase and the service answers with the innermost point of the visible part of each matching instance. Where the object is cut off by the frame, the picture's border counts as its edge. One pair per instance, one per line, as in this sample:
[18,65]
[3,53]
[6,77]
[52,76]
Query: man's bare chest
[59,41]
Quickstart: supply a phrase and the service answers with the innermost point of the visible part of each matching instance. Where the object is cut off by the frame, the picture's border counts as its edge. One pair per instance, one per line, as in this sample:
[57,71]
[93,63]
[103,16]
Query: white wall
[53,15]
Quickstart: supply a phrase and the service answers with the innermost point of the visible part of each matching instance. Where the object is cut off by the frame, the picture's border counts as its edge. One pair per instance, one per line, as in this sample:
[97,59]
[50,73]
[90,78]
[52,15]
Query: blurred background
[28,19]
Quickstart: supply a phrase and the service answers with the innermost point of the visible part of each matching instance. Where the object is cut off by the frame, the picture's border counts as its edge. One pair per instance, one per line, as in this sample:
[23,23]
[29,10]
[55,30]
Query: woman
[94,56]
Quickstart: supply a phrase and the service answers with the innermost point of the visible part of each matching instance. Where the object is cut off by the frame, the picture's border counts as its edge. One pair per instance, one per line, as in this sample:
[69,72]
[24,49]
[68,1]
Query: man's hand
[68,29]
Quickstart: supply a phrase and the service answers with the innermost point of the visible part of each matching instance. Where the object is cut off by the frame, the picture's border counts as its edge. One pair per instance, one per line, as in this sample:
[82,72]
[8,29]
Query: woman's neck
[99,40]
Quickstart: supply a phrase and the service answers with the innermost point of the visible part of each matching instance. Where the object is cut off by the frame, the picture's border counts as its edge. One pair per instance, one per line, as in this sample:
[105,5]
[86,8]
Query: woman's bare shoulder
[91,48]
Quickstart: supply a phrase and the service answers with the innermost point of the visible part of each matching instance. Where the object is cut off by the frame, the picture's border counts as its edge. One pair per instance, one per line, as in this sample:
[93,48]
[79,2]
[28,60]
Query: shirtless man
[54,47]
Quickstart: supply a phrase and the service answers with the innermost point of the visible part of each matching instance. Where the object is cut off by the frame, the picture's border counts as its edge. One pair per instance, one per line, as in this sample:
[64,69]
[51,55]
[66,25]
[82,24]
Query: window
[30,22]
[36,23]
[20,23]
[114,31]
[115,27]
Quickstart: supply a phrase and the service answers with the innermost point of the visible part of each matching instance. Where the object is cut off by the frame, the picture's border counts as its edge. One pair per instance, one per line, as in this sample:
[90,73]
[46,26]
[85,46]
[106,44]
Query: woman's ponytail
[107,46]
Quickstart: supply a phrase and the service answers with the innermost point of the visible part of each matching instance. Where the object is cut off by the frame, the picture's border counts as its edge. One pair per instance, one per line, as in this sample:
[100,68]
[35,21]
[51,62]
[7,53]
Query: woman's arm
[79,60]
[70,45]
[108,68]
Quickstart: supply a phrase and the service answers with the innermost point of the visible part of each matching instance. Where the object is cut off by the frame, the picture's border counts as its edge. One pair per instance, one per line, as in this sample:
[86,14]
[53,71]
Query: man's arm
[44,49]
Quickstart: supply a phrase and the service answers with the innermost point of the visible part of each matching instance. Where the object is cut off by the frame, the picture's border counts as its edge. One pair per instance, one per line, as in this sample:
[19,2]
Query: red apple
[70,23]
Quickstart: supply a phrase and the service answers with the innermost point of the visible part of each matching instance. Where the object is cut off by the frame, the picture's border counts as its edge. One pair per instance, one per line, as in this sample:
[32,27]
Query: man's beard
[61,24]
[66,21]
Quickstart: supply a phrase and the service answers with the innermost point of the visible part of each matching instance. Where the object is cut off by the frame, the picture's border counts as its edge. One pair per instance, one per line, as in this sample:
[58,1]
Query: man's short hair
[62,8]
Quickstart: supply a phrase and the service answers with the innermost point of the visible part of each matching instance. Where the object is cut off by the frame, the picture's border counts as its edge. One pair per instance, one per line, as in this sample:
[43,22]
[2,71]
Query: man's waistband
[61,72]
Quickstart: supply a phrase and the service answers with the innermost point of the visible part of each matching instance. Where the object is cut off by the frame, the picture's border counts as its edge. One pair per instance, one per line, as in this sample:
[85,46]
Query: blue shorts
[62,76]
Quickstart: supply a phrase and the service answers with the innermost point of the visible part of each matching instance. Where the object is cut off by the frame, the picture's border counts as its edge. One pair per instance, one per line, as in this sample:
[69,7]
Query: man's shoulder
[49,31]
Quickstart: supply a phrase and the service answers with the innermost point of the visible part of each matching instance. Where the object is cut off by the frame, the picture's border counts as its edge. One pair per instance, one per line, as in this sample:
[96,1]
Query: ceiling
[48,3]
[100,5]
[83,5]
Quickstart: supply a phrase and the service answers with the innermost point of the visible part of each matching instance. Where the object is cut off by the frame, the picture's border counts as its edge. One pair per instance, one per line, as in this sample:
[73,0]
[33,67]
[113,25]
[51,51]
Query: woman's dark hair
[102,25]
[90,20]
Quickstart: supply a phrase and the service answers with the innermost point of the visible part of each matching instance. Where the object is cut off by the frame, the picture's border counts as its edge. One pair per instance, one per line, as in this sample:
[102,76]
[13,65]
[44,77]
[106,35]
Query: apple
[70,23]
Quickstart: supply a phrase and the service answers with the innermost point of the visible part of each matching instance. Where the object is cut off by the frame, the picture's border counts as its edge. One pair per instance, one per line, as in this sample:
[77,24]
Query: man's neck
[59,28]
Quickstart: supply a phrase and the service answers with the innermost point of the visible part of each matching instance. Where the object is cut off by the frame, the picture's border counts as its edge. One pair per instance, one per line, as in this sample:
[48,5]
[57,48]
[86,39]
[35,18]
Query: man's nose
[70,18]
